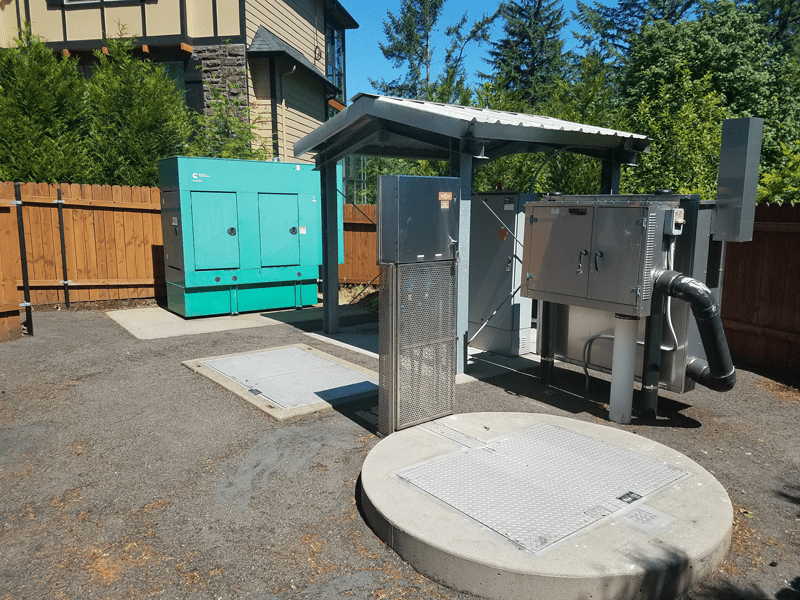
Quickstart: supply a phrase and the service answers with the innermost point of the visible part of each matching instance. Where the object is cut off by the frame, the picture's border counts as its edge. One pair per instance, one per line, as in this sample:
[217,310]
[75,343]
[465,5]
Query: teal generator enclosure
[240,235]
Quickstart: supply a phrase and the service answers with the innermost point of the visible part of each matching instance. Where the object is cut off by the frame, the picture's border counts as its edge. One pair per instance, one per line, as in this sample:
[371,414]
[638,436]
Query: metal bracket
[59,201]
[25,304]
[68,282]
[13,202]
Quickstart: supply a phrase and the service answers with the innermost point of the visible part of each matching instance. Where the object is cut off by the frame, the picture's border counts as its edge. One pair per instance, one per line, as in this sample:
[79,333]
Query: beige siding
[300,23]
[84,24]
[228,17]
[8,24]
[46,23]
[260,98]
[199,18]
[303,110]
[163,17]
[128,16]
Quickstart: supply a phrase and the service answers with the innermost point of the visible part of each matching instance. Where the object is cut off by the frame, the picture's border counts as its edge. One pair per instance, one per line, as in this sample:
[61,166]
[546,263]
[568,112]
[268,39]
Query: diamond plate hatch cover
[541,485]
[292,377]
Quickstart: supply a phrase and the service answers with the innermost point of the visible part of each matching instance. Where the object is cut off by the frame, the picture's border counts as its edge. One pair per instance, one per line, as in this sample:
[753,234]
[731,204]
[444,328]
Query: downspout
[717,372]
[284,155]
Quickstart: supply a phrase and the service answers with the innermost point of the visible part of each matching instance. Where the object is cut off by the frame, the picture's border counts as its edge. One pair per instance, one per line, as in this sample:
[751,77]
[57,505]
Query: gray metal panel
[172,231]
[496,271]
[418,218]
[387,349]
[542,485]
[557,252]
[291,377]
[739,159]
[615,258]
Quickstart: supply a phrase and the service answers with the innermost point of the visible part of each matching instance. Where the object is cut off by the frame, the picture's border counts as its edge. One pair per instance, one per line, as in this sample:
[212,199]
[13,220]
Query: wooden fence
[114,251]
[9,254]
[360,238]
[112,242]
[761,294]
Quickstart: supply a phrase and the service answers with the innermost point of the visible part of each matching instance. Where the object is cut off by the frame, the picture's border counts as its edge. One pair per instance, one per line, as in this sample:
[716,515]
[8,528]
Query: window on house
[334,58]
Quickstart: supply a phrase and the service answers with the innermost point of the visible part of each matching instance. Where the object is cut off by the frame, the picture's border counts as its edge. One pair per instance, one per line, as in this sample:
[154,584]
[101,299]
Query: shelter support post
[609,177]
[461,166]
[330,249]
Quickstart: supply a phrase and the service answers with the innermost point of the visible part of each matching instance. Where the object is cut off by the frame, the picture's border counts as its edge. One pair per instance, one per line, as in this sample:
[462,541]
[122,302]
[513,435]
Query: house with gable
[285,56]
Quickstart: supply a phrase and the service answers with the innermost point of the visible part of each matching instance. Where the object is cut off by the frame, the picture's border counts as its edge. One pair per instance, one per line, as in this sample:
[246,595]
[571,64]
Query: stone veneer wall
[223,64]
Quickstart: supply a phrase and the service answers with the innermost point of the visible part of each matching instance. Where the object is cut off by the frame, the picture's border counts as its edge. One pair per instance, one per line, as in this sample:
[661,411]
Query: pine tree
[529,58]
[609,28]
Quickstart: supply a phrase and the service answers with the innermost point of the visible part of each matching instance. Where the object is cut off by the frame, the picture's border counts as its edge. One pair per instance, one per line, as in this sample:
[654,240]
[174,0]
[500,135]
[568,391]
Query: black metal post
[23,256]
[547,322]
[651,369]
[60,203]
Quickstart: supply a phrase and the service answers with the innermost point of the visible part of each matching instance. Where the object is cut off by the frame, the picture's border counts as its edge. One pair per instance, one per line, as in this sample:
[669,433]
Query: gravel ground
[126,475]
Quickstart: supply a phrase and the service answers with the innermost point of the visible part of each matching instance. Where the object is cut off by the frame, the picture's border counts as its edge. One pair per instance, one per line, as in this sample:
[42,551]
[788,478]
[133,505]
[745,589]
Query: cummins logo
[199,176]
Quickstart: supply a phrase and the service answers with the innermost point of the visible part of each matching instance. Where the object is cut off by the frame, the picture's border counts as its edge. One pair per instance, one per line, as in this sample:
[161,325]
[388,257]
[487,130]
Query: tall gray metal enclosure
[417,251]
[499,315]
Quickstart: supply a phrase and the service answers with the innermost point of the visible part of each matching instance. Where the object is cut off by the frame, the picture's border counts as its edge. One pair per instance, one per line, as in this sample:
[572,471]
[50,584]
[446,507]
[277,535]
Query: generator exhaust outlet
[716,373]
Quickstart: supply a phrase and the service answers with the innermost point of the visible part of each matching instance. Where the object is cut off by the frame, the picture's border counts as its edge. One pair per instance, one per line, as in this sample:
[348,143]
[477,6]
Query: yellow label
[445,196]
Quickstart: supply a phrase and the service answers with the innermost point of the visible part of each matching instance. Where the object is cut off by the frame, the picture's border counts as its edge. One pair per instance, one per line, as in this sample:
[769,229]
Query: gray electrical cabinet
[499,315]
[595,252]
[417,247]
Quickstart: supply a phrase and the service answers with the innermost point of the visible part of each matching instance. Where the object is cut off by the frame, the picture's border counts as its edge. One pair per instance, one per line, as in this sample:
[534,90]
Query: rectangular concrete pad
[289,381]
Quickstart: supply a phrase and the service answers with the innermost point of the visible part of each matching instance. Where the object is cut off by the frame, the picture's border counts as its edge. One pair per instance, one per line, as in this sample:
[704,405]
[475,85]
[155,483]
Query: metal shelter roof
[388,126]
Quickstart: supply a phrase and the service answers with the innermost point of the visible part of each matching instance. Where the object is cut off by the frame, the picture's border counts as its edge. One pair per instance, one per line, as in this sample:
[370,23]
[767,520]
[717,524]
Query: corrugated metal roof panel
[455,121]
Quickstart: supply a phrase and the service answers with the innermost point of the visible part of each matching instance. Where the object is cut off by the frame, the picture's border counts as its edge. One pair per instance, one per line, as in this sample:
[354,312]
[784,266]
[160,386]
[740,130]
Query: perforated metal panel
[417,344]
[386,353]
[543,485]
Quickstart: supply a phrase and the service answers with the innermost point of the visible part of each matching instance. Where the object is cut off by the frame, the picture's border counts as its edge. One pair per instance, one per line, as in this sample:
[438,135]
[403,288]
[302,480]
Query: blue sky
[364,58]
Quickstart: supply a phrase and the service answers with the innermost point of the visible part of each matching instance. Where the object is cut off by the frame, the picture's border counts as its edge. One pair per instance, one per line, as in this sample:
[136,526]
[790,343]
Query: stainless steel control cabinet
[417,320]
[594,252]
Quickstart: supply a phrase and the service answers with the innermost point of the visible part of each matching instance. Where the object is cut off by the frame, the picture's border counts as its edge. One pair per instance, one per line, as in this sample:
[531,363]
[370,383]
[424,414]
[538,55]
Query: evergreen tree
[409,45]
[609,28]
[529,57]
[137,116]
[783,17]
[42,115]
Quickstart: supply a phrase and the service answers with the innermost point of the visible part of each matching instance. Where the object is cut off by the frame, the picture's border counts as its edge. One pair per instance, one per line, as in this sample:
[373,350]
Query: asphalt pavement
[124,474]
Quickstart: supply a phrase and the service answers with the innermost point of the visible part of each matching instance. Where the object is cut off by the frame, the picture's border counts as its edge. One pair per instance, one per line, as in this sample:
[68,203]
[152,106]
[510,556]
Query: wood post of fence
[10,327]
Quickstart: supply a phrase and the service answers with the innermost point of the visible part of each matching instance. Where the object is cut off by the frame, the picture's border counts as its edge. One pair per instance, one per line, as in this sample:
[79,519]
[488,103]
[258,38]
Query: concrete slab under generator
[155,322]
[289,381]
[517,505]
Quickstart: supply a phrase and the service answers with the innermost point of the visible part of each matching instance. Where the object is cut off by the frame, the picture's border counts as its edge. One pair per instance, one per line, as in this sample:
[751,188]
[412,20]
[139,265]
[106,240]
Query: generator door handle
[232,231]
[596,256]
[293,230]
